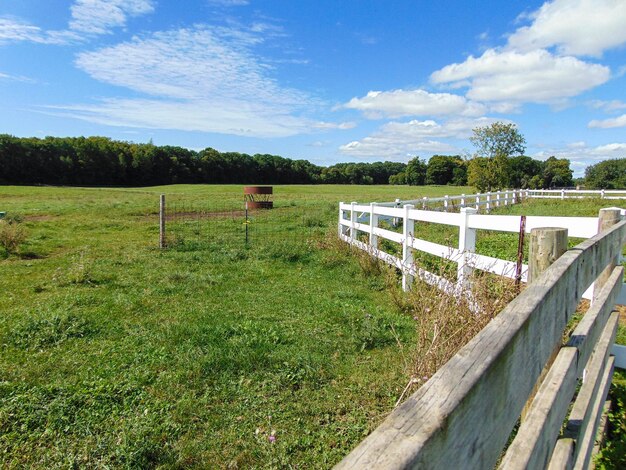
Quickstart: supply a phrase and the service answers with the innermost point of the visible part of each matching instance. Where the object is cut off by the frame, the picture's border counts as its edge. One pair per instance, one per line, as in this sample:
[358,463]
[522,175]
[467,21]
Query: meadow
[283,352]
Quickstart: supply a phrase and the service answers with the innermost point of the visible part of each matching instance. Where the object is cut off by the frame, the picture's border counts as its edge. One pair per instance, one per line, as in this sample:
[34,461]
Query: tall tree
[496,143]
[415,172]
[609,174]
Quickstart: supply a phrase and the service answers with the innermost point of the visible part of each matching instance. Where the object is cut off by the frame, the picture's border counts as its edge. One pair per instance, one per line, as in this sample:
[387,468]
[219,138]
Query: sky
[326,80]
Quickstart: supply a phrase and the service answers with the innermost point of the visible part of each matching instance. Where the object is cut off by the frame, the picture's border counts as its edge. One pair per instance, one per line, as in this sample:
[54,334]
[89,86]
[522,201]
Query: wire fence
[208,224]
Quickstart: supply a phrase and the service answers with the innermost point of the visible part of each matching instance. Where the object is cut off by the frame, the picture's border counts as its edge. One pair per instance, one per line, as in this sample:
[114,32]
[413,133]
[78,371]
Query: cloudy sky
[325,80]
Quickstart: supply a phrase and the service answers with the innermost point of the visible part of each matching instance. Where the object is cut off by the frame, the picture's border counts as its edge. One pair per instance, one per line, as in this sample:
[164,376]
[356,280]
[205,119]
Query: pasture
[209,353]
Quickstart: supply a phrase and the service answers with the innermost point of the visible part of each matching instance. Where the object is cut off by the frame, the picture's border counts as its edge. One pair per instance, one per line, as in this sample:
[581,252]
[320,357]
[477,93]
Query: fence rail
[490,200]
[354,230]
[465,414]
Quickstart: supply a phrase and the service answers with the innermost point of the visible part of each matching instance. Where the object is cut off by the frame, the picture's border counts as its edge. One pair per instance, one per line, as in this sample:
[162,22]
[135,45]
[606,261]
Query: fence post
[446,202]
[373,225]
[477,201]
[462,200]
[488,205]
[340,228]
[408,229]
[352,222]
[424,203]
[514,197]
[394,221]
[546,246]
[602,194]
[467,246]
[562,194]
[498,199]
[606,219]
[162,221]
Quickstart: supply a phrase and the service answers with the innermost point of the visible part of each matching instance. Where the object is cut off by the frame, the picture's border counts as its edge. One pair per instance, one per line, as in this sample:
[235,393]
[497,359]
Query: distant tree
[498,139]
[496,143]
[398,178]
[522,170]
[609,174]
[556,173]
[416,172]
[444,169]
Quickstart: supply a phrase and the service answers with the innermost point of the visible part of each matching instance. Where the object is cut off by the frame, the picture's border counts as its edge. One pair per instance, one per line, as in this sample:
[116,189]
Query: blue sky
[329,81]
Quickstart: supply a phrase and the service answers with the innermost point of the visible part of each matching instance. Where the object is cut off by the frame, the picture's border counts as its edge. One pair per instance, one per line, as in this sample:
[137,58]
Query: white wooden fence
[490,200]
[354,230]
[463,417]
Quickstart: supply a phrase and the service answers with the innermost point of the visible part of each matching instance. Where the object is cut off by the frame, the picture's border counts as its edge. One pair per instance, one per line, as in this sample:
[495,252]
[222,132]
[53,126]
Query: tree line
[100,161]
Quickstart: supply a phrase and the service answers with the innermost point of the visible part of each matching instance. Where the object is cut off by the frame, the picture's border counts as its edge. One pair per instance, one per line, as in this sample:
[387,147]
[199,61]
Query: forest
[101,161]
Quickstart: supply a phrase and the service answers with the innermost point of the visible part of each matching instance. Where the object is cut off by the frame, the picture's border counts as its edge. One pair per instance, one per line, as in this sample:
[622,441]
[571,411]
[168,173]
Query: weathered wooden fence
[466,415]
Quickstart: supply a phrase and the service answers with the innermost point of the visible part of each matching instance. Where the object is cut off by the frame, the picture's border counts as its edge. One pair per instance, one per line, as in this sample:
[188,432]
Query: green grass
[211,353]
[117,354]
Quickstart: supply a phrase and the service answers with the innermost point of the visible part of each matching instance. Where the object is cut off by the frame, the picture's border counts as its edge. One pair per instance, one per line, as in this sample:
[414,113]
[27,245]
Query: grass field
[208,354]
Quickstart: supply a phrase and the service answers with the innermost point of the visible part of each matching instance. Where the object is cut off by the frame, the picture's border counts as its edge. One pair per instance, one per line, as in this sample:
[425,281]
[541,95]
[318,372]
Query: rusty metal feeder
[258,197]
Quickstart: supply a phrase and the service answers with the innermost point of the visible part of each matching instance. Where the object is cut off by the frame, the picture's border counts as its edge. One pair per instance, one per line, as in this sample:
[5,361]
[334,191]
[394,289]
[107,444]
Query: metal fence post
[162,241]
[408,229]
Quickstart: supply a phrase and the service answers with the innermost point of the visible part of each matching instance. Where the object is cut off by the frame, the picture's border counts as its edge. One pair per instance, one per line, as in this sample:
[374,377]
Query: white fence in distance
[353,218]
[490,200]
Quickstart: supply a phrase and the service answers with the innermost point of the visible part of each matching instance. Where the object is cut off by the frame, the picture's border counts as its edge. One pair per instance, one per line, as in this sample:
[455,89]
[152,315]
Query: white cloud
[99,16]
[619,121]
[399,139]
[89,17]
[398,103]
[225,117]
[16,78]
[335,125]
[608,106]
[536,76]
[200,79]
[575,27]
[582,155]
[15,30]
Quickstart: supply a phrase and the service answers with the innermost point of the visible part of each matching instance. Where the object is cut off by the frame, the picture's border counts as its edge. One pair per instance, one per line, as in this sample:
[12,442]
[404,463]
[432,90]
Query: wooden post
[477,201]
[408,229]
[546,246]
[373,225]
[498,199]
[467,246]
[340,229]
[352,222]
[394,221]
[162,241]
[424,203]
[462,200]
[606,219]
[446,202]
[488,206]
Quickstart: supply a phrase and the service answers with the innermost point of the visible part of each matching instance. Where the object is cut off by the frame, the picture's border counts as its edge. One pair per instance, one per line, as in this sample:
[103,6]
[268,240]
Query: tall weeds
[445,323]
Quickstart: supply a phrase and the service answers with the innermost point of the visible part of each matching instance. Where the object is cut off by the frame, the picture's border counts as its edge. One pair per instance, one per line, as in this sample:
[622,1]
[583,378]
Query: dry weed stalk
[445,323]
